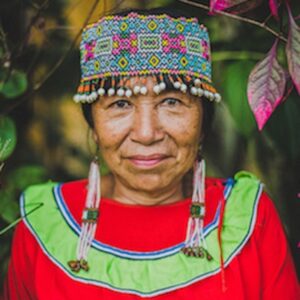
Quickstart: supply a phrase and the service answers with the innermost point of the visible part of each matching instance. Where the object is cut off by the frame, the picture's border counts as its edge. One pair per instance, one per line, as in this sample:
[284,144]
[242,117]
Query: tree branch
[288,92]
[266,20]
[3,40]
[239,18]
[60,61]
[38,85]
[56,65]
[33,20]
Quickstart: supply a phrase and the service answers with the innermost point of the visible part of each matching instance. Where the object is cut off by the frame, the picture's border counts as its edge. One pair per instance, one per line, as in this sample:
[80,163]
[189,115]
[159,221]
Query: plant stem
[3,39]
[60,61]
[38,85]
[33,20]
[14,223]
[288,92]
[239,18]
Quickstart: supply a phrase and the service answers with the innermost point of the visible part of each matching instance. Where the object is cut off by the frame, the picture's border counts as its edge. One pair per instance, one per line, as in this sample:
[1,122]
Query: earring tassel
[89,220]
[195,244]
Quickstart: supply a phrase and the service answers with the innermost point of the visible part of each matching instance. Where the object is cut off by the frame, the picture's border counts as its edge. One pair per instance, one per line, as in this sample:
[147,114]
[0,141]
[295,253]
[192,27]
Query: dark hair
[208,106]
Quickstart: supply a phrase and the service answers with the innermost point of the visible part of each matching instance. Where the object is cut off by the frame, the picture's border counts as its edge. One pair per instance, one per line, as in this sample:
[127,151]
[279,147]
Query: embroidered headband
[117,48]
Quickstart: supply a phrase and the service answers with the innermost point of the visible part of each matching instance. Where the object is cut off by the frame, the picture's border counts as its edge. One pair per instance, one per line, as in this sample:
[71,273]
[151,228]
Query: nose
[146,128]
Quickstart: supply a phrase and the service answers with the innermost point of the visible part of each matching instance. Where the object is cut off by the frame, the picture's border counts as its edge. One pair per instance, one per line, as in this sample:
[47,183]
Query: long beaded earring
[89,218]
[195,244]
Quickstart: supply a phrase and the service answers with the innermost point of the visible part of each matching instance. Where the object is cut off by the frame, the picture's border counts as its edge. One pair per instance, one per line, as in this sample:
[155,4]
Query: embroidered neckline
[73,224]
[163,275]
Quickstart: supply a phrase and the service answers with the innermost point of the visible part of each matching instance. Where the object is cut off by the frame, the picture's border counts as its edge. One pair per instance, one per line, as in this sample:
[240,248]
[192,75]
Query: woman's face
[148,141]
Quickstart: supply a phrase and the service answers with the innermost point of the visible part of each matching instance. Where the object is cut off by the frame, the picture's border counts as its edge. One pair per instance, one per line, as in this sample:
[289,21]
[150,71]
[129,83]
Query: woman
[147,94]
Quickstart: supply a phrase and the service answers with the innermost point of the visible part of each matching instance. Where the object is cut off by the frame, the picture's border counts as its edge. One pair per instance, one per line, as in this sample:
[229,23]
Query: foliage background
[53,141]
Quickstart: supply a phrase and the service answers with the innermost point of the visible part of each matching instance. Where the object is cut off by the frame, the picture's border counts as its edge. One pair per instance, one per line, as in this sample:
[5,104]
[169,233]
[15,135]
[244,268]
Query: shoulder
[241,180]
[40,187]
[40,203]
[36,189]
[266,211]
[247,188]
[250,197]
[43,191]
[242,187]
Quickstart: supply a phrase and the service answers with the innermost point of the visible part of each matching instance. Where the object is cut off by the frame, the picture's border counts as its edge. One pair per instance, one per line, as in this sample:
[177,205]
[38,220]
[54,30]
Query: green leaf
[27,175]
[15,85]
[9,209]
[16,182]
[235,96]
[8,137]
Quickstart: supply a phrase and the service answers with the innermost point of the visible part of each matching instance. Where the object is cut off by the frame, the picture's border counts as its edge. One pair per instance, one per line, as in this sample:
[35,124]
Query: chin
[151,184]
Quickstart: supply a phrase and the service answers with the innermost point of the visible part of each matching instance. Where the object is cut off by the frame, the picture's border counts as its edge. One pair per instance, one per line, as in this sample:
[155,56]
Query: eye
[171,102]
[121,104]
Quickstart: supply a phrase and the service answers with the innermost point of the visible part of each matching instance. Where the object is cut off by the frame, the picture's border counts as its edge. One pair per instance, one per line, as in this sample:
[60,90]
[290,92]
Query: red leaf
[274,8]
[293,51]
[266,87]
[233,6]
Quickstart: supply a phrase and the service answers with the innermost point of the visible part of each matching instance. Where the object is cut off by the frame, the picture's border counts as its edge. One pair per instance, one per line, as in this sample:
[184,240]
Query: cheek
[186,129]
[187,136]
[110,133]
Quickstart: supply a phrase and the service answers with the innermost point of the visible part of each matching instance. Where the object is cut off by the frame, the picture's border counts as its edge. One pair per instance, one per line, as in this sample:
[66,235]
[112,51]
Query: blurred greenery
[53,141]
[8,137]
[13,83]
[235,95]
[16,181]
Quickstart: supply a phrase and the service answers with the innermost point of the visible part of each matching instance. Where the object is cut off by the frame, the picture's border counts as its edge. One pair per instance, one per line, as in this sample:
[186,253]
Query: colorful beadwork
[197,210]
[90,215]
[77,265]
[118,47]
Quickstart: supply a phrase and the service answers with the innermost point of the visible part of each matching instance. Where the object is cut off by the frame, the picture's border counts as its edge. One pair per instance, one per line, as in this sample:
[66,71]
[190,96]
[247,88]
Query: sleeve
[278,271]
[19,283]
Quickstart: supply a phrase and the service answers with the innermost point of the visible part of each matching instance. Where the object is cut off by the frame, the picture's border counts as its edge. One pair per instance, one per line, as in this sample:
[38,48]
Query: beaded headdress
[117,48]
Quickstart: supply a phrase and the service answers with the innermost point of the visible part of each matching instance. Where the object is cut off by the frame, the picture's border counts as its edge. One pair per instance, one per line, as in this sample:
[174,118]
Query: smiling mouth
[147,161]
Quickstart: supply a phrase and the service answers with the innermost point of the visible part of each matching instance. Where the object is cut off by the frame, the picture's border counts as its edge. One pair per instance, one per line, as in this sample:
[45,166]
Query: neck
[128,195]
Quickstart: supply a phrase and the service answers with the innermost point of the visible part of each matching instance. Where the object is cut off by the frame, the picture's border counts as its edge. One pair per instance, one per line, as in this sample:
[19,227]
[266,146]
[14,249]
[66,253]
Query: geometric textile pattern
[145,45]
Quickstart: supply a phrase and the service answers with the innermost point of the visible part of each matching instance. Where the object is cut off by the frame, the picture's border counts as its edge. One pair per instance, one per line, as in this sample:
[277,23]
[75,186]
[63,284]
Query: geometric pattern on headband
[141,45]
[119,47]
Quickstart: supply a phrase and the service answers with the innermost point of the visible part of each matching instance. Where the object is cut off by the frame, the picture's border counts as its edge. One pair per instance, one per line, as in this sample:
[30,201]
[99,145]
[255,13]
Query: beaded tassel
[143,89]
[156,87]
[195,244]
[128,90]
[162,84]
[121,89]
[89,220]
[112,90]
[136,87]
[171,79]
[101,90]
[177,82]
[120,85]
